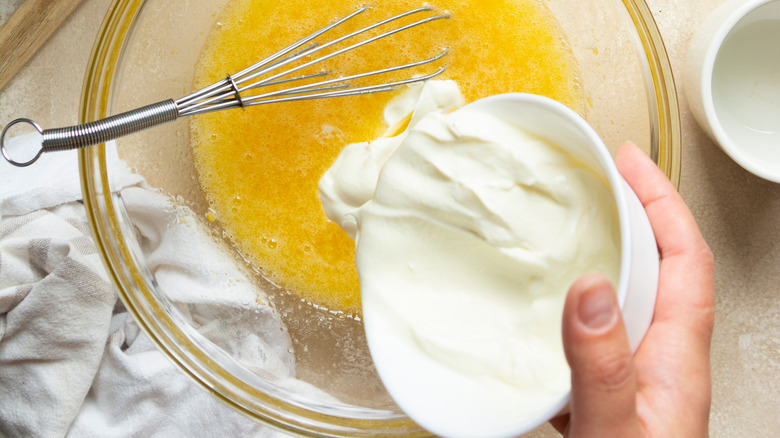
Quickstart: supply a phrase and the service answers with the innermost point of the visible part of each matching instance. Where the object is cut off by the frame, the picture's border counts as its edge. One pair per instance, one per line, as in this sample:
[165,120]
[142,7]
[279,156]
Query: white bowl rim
[708,103]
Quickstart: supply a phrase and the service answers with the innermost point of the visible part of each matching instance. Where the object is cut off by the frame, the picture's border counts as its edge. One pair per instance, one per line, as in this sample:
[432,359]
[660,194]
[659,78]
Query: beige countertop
[738,213]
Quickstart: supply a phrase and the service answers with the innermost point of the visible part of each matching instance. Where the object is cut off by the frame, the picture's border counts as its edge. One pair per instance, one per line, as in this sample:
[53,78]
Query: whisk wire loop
[281,55]
[324,89]
[213,101]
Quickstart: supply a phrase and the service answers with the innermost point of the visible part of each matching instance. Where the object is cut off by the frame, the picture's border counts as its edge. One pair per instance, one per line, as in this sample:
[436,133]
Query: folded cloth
[72,361]
[55,312]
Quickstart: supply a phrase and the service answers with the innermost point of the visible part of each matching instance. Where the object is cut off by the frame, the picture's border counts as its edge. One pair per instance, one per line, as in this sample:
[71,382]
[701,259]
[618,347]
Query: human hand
[663,390]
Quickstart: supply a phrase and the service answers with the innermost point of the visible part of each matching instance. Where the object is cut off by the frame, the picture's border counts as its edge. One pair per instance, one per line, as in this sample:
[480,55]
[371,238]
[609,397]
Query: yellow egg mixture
[259,168]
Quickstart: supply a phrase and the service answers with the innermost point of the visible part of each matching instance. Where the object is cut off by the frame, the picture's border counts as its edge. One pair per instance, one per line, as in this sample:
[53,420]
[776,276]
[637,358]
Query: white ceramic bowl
[417,386]
[733,82]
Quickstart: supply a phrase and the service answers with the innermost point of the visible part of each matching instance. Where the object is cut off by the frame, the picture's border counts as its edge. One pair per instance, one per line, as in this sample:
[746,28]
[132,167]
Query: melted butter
[259,168]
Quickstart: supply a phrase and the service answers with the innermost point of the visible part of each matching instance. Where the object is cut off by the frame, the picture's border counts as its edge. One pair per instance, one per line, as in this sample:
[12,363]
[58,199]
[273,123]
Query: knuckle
[613,371]
[707,302]
[708,319]
[707,257]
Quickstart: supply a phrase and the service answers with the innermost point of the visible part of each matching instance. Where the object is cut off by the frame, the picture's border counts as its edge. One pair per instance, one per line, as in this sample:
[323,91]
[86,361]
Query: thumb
[603,385]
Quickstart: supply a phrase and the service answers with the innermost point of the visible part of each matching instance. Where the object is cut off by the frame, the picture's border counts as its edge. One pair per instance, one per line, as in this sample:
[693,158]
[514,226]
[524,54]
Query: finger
[674,356]
[665,208]
[603,393]
[687,273]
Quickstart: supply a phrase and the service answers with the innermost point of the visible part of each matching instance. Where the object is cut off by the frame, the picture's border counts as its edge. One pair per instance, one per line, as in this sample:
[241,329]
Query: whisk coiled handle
[99,131]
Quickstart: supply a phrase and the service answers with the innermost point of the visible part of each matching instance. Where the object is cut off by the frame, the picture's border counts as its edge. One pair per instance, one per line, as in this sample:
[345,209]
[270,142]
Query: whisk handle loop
[99,131]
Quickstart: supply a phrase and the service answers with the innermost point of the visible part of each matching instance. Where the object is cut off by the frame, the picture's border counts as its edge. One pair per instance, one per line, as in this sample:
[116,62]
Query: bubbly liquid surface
[259,168]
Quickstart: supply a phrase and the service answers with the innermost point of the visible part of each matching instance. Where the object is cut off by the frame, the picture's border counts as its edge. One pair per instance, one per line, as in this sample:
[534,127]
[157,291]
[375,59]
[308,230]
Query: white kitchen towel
[72,361]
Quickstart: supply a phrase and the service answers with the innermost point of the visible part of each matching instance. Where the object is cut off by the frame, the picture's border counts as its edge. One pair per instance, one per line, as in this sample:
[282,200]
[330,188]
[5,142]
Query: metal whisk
[232,92]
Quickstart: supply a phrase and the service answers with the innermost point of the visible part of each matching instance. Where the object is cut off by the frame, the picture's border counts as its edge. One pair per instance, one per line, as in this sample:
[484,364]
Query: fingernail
[597,306]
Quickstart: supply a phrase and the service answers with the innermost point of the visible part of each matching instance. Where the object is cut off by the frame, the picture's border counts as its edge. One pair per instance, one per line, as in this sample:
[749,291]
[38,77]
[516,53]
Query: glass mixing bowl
[146,51]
